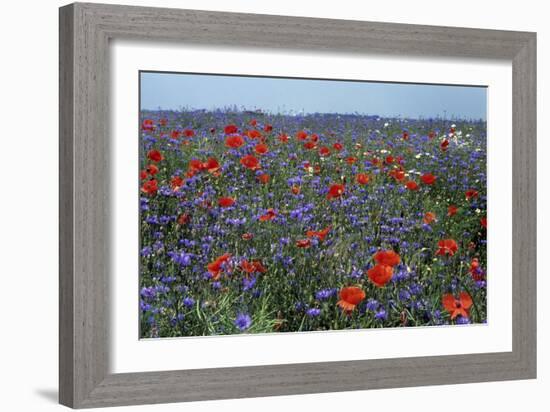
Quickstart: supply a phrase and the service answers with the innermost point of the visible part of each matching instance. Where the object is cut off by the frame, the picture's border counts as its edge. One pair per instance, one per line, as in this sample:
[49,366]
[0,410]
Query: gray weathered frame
[85,31]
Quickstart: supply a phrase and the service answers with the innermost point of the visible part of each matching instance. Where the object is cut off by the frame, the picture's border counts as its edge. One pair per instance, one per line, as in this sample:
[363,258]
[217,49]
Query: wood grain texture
[66,229]
[85,31]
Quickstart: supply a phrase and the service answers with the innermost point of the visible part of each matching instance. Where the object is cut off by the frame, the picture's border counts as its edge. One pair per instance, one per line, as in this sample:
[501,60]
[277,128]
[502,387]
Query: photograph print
[271,205]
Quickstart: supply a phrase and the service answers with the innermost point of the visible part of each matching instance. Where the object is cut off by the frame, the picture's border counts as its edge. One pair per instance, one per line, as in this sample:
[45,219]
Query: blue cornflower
[324,294]
[243,321]
[381,314]
[149,292]
[182,258]
[313,312]
[146,251]
[415,289]
[462,320]
[188,301]
[404,295]
[248,283]
[372,305]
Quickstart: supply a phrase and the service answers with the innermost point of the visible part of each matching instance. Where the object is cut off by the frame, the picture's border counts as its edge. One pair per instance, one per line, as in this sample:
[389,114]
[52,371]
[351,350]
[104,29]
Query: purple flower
[146,251]
[148,293]
[243,321]
[248,283]
[182,258]
[313,312]
[372,305]
[324,294]
[461,320]
[404,295]
[381,314]
[188,301]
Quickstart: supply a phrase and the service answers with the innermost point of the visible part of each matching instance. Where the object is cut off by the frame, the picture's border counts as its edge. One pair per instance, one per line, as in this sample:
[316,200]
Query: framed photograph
[256,205]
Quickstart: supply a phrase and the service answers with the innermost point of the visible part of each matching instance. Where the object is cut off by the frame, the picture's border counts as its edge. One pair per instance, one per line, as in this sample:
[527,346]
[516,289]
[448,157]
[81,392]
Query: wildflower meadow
[252,222]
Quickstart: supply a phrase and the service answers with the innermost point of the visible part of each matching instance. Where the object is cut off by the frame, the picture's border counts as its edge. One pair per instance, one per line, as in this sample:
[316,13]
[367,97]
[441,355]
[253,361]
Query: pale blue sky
[171,91]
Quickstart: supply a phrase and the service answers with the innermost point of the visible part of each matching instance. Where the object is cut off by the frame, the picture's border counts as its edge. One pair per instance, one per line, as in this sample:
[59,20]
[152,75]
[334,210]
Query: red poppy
[324,151]
[253,134]
[152,169]
[387,258]
[211,165]
[444,145]
[475,270]
[350,297]
[428,179]
[150,187]
[301,135]
[247,267]
[471,193]
[431,134]
[446,247]
[321,234]
[362,178]
[457,307]
[253,122]
[230,129]
[411,185]
[283,138]
[405,135]
[226,201]
[234,141]
[216,267]
[154,155]
[175,134]
[295,189]
[183,219]
[261,149]
[429,217]
[483,222]
[195,165]
[259,267]
[380,274]
[250,162]
[252,267]
[270,214]
[335,191]
[451,210]
[268,127]
[389,160]
[148,125]
[337,146]
[397,174]
[176,182]
[351,160]
[247,236]
[264,178]
[310,145]
[189,133]
[303,243]
[143,174]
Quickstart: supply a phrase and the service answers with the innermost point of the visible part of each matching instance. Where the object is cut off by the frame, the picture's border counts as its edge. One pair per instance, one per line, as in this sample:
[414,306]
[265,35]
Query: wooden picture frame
[85,31]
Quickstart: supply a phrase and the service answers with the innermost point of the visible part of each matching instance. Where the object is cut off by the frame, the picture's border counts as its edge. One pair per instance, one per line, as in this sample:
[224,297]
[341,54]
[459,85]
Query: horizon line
[303,113]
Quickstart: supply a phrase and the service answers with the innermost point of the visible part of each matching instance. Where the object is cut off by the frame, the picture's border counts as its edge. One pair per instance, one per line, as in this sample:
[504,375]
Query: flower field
[257,223]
